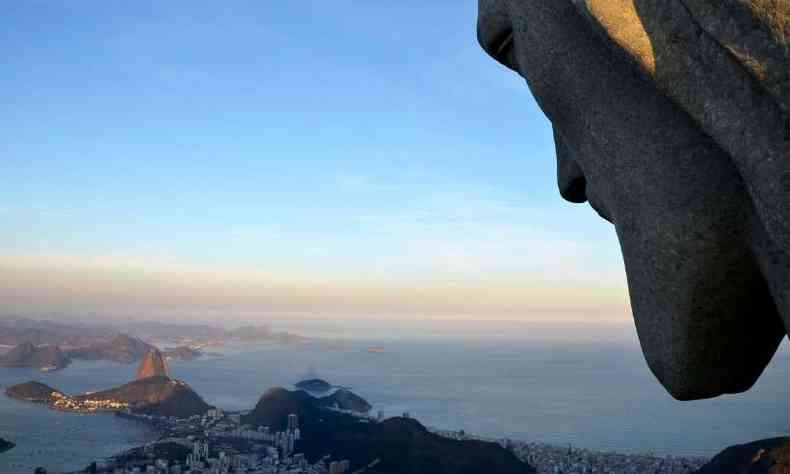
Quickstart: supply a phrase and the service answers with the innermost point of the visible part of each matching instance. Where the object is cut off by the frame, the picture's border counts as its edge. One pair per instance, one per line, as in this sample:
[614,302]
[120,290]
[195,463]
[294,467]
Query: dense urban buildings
[216,443]
[552,459]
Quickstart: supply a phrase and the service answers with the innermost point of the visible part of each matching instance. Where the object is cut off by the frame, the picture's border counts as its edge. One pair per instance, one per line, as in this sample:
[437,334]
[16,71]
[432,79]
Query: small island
[5,445]
[346,400]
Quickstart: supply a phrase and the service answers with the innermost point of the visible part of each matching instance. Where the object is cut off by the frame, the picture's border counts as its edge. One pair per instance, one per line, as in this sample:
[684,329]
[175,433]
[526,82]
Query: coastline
[544,457]
[491,418]
[547,458]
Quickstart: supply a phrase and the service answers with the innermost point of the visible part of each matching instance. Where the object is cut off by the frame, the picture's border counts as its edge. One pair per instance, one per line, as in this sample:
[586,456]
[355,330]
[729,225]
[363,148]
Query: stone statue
[672,118]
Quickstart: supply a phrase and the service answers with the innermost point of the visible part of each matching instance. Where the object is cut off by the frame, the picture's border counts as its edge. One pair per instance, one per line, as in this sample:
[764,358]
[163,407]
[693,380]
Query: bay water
[589,392]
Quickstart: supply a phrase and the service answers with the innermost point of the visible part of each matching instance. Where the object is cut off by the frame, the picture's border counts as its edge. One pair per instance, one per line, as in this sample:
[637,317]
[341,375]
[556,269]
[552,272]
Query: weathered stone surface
[671,119]
[769,456]
[153,365]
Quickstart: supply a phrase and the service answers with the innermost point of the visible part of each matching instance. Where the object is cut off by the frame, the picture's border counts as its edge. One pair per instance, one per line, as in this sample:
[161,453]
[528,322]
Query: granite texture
[672,120]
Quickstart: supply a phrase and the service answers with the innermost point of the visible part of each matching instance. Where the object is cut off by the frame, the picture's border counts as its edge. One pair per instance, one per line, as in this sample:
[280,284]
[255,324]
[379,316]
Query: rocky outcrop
[47,357]
[153,365]
[672,119]
[770,456]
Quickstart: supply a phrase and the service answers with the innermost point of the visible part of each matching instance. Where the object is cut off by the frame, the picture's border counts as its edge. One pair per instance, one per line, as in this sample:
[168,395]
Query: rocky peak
[153,364]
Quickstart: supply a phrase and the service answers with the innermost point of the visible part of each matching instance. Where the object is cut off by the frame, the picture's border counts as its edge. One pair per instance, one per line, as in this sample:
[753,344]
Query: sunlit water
[590,394]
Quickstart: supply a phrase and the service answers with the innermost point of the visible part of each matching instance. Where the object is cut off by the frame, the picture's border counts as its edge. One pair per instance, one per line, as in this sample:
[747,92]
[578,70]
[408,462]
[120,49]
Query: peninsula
[152,393]
[157,395]
[49,345]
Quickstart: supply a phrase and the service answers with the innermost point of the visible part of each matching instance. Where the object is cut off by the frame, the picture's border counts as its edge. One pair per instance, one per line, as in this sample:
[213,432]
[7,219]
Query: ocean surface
[587,392]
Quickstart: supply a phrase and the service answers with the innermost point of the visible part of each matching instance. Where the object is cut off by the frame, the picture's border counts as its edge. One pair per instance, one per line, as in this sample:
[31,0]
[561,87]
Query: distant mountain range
[122,348]
[48,344]
[183,353]
[394,446]
[16,330]
[41,357]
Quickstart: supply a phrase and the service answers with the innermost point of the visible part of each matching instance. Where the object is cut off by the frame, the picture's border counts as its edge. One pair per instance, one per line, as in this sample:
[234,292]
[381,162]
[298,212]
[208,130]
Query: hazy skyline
[194,156]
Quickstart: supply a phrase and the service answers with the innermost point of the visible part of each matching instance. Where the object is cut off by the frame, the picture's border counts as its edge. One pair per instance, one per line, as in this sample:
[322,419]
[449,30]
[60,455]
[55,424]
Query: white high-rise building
[293,422]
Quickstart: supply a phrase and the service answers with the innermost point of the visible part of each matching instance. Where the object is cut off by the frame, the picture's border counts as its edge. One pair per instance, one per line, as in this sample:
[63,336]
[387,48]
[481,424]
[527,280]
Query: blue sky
[338,144]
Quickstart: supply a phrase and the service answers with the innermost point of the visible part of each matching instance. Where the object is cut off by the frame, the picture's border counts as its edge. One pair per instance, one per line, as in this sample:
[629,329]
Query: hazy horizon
[200,158]
[384,328]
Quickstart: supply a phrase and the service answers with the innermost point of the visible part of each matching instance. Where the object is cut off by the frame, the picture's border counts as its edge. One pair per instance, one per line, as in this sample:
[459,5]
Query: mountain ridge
[27,354]
[401,445]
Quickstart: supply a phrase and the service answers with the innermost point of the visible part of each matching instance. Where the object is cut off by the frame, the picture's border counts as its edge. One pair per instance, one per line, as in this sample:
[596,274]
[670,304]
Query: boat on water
[376,350]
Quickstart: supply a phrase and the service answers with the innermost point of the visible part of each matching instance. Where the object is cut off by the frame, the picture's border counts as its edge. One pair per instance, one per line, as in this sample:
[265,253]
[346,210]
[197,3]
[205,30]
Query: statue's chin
[706,320]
